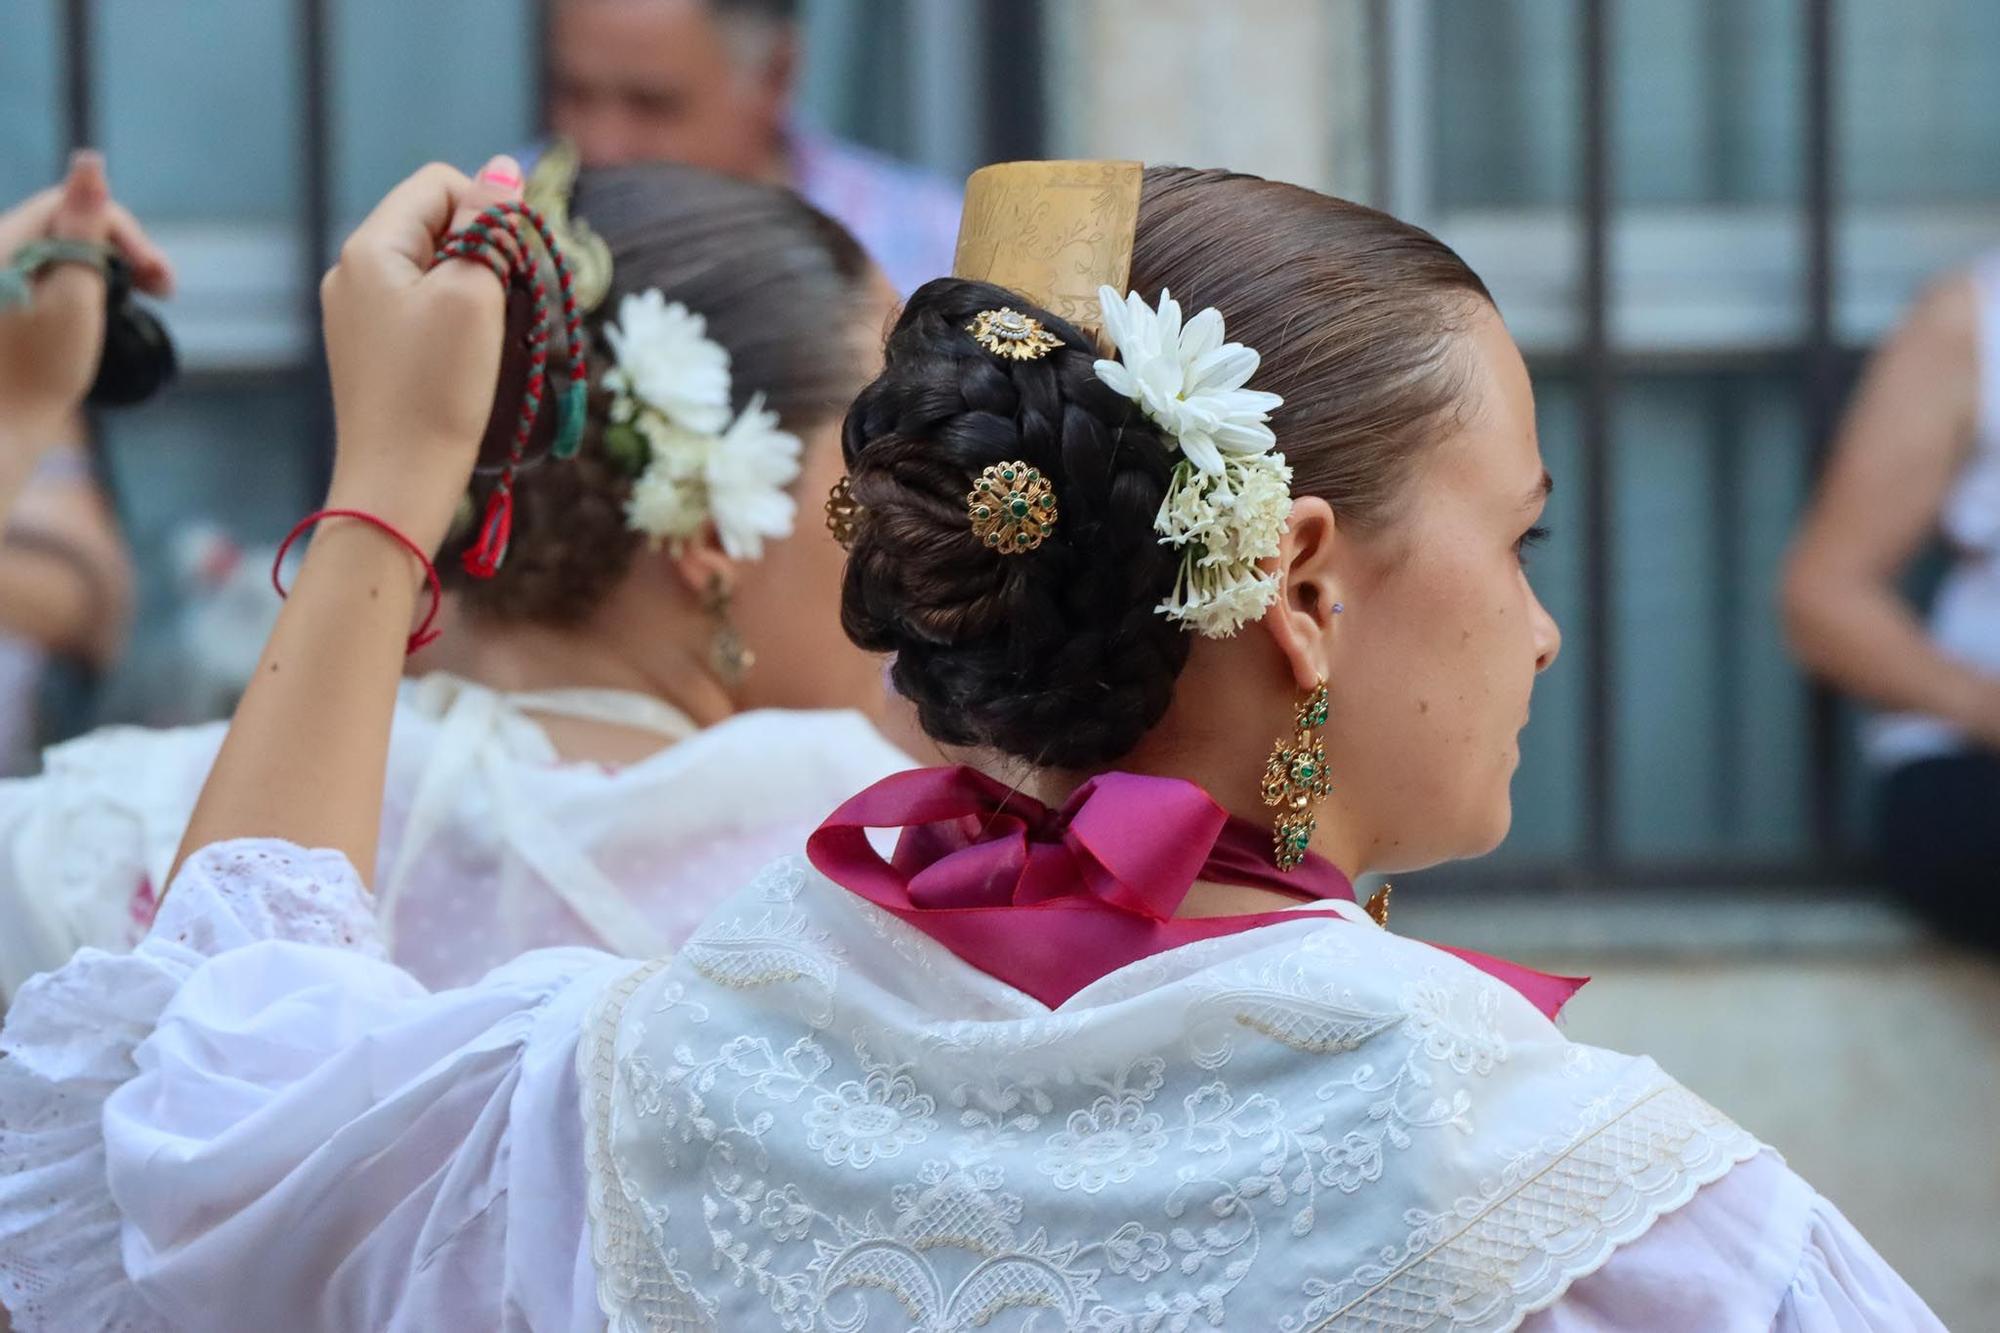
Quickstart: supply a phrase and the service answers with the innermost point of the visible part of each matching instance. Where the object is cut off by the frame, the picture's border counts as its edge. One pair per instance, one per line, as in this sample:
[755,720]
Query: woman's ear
[1309,564]
[703,567]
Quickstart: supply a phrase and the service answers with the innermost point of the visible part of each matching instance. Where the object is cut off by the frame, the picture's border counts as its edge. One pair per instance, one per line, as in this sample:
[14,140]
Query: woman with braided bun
[586,758]
[1179,462]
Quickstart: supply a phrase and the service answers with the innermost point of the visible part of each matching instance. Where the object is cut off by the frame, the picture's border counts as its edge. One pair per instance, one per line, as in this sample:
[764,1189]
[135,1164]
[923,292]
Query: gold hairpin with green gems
[1012,508]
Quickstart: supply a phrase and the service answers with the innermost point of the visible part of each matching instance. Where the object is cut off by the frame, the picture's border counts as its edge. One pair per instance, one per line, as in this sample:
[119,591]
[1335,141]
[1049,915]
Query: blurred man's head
[706,82]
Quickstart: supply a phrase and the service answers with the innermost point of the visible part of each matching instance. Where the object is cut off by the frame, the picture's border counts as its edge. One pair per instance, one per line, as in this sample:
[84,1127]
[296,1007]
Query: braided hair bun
[1056,655]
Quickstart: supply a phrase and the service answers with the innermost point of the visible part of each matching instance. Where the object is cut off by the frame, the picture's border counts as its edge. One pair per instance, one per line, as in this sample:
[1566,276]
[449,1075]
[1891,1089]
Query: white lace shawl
[815,1118]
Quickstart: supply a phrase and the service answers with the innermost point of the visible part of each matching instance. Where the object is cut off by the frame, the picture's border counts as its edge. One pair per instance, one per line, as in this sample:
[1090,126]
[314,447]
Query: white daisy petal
[1224,370]
[1202,335]
[746,472]
[1160,381]
[1117,327]
[1201,451]
[1254,402]
[1244,437]
[1117,377]
[1169,320]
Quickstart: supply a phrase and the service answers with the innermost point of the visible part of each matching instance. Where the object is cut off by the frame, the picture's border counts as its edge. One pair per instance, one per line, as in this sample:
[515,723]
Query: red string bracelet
[426,632]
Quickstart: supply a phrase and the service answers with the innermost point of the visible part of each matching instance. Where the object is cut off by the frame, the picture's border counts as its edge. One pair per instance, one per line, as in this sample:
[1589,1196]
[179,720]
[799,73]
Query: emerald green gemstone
[982,512]
[1018,507]
[1006,474]
[575,409]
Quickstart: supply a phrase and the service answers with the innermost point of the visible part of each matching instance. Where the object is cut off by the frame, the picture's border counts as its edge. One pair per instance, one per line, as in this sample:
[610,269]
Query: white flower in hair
[666,360]
[1186,378]
[1226,526]
[666,505]
[1218,600]
[1230,498]
[671,389]
[747,473]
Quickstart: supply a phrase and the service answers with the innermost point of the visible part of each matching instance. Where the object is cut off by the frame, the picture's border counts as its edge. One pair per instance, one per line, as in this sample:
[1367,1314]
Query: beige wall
[1275,87]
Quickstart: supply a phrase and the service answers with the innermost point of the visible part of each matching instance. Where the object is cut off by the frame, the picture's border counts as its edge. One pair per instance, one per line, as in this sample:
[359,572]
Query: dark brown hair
[779,284]
[1059,656]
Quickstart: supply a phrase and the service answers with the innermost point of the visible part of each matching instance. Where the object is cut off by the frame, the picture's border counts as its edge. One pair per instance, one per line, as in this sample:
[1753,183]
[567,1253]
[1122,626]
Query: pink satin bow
[1050,901]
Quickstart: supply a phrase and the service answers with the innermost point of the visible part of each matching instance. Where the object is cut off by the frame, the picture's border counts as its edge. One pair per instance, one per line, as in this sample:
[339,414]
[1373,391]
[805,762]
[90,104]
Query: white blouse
[255,1121]
[491,844]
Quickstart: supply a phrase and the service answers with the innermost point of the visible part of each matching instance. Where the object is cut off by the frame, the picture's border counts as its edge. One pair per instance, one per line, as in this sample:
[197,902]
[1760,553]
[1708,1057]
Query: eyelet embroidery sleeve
[235,893]
[257,1068]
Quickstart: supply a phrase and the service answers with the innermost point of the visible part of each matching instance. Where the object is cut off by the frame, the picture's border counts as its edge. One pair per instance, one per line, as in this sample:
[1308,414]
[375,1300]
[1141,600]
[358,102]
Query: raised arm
[1898,451]
[52,335]
[415,355]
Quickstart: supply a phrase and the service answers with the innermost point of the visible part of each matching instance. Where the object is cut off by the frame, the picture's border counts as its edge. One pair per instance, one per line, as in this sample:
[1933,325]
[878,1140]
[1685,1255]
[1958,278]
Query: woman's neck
[603,653]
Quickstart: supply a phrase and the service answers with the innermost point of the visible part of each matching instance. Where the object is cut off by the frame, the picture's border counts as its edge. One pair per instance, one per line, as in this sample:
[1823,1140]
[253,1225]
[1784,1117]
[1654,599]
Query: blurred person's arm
[65,576]
[50,347]
[1901,446]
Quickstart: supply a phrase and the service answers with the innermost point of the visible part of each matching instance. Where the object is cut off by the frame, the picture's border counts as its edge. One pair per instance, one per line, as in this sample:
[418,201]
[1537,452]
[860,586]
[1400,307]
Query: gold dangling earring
[727,653]
[1378,906]
[1295,777]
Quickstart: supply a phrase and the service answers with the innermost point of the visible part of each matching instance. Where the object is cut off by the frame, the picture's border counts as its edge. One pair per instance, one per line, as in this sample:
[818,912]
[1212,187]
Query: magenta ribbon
[1050,901]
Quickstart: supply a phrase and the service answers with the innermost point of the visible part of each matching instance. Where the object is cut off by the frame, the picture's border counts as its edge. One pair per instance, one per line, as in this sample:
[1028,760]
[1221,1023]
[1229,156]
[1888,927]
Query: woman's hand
[414,351]
[49,349]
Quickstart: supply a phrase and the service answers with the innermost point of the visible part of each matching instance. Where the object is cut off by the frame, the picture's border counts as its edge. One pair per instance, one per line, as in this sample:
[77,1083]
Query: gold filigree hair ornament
[1012,508]
[1010,334]
[843,513]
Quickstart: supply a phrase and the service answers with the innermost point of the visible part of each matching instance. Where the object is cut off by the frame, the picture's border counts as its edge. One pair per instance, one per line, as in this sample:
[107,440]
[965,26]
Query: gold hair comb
[1053,231]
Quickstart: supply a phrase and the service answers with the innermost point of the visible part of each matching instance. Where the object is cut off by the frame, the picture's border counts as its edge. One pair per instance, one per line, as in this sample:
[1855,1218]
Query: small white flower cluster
[671,385]
[1230,499]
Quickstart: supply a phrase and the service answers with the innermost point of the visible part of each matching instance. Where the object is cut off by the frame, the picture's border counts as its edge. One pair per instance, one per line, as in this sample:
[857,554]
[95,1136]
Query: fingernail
[502,172]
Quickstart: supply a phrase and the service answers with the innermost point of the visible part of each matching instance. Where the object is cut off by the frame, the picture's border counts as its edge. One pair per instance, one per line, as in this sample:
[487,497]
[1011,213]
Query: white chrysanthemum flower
[671,384]
[665,507]
[678,450]
[1186,378]
[747,472]
[667,361]
[1230,500]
